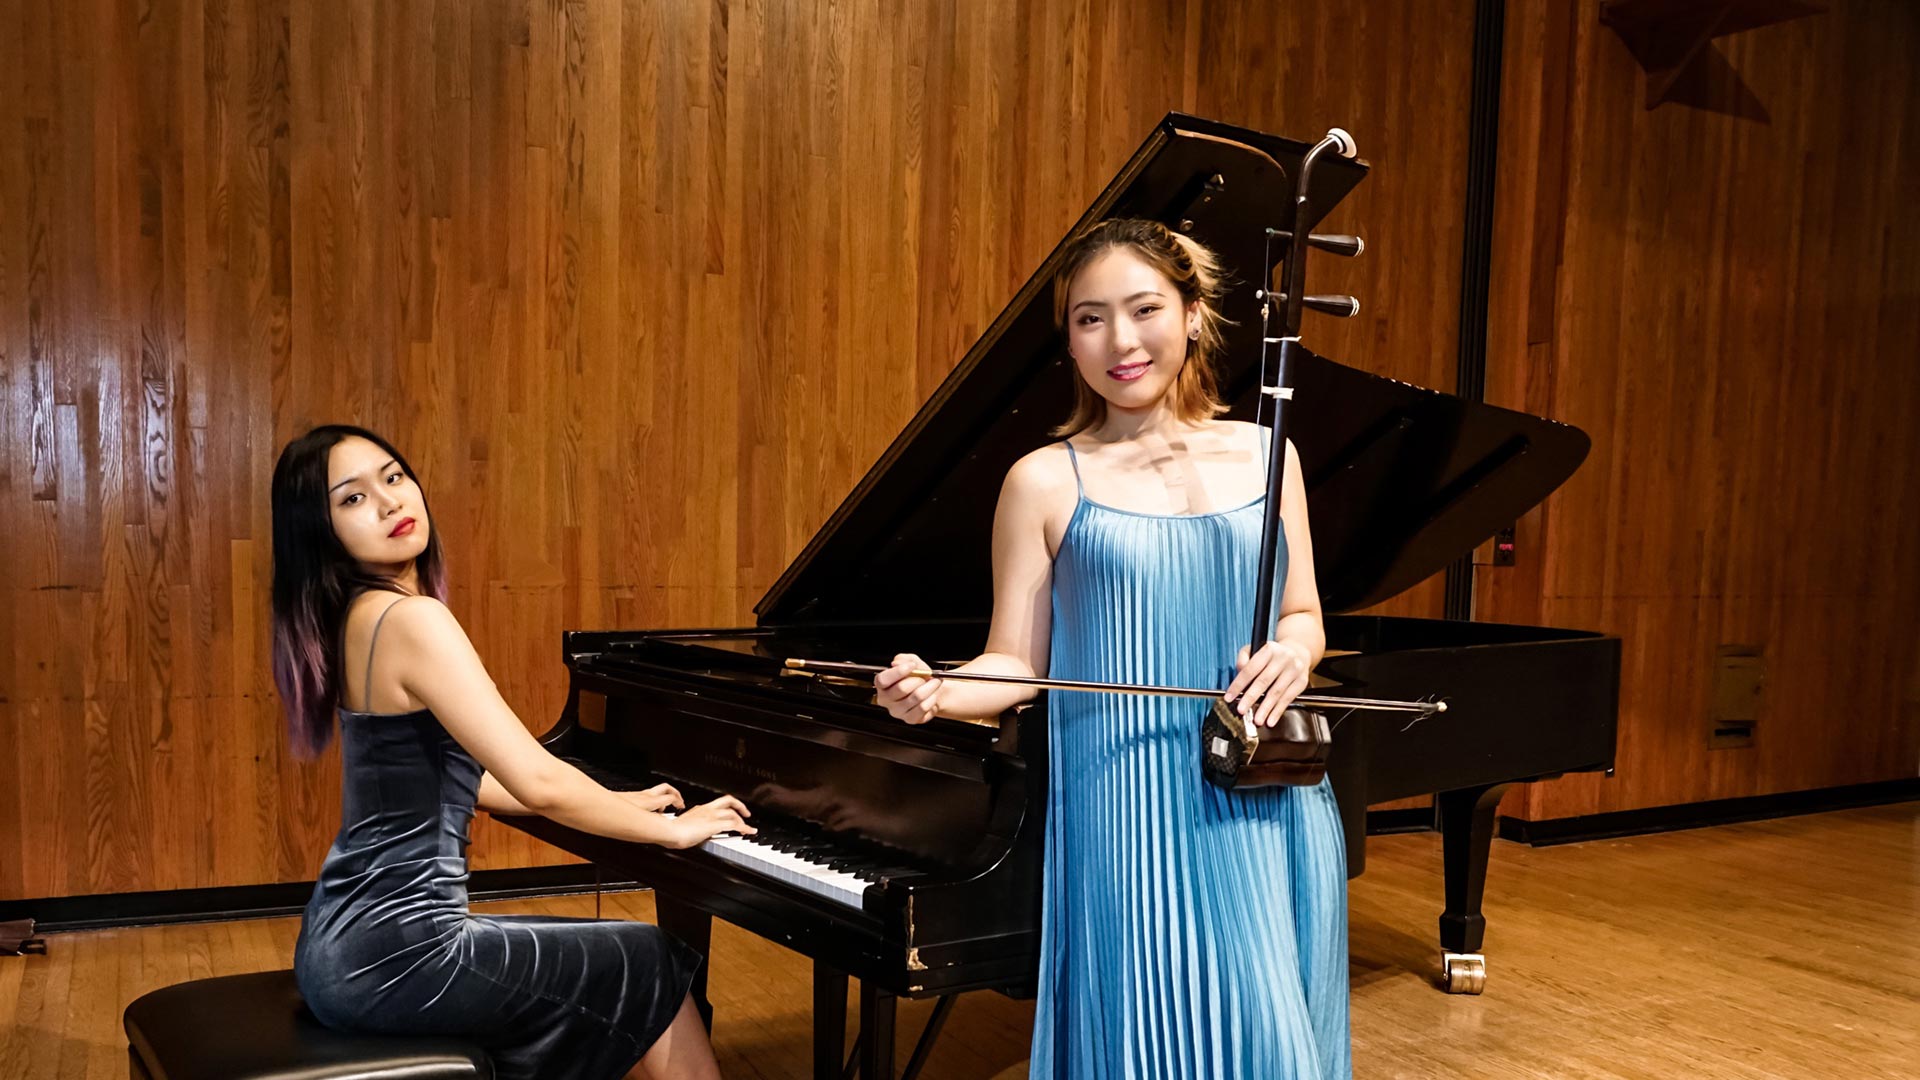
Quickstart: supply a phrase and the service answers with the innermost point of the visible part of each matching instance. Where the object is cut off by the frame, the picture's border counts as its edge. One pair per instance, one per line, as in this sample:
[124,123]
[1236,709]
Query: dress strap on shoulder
[1074,460]
[366,696]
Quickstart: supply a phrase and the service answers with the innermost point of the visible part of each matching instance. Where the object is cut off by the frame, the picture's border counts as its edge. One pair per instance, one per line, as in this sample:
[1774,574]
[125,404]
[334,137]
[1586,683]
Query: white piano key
[802,873]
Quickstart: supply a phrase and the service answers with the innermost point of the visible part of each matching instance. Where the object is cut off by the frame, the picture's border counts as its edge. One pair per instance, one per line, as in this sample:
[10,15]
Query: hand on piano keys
[692,828]
[657,797]
[812,862]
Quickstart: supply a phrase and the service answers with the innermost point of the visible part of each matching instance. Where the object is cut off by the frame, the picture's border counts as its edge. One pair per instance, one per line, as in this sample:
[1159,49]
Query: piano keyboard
[819,874]
[788,851]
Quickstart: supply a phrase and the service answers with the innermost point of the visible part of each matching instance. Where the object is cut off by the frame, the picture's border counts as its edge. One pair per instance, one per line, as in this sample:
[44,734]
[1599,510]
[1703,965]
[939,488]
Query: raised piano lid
[1401,480]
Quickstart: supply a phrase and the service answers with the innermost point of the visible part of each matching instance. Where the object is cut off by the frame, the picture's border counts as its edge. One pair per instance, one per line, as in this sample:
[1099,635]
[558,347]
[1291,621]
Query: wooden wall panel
[644,288]
[641,288]
[1732,310]
[1397,77]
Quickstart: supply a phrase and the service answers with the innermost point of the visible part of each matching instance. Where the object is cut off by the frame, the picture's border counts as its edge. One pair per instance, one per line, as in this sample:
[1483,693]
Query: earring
[1193,334]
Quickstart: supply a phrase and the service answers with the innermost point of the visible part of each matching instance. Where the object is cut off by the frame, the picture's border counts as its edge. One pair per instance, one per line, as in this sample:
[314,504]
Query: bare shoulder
[1237,435]
[369,608]
[1262,432]
[425,625]
[420,613]
[1040,475]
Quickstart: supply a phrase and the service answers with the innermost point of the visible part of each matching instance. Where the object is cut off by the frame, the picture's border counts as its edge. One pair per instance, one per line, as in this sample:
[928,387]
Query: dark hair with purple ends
[314,579]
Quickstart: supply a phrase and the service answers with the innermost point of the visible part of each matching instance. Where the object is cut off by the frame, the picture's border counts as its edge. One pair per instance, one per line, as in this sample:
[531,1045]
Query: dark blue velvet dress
[388,945]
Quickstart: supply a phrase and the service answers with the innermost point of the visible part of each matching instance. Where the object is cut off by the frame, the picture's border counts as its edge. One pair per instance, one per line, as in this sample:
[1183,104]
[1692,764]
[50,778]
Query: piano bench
[255,1027]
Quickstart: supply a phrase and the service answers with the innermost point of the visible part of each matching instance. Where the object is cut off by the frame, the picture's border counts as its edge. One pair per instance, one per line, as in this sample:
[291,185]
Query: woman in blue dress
[1186,931]
[387,943]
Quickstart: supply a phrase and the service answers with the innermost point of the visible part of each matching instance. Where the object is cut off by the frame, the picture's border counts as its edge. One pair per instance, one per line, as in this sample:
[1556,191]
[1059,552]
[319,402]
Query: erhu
[1234,751]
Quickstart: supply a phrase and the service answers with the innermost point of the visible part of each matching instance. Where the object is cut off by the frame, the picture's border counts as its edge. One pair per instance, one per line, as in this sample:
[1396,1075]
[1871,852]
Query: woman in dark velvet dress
[387,943]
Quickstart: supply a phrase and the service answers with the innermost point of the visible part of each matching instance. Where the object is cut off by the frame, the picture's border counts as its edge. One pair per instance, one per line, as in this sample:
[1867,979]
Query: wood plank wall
[1732,310]
[641,288]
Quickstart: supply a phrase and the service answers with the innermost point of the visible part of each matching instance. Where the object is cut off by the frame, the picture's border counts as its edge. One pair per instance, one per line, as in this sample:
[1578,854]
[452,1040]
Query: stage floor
[1785,948]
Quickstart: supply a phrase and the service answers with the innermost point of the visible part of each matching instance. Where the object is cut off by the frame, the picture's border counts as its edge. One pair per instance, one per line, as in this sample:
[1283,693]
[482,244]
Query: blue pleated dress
[1186,931]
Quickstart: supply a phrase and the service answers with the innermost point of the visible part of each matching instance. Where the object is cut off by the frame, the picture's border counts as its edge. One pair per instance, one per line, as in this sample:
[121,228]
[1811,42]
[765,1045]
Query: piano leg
[693,928]
[1466,829]
[876,1032]
[829,1020]
[931,1032]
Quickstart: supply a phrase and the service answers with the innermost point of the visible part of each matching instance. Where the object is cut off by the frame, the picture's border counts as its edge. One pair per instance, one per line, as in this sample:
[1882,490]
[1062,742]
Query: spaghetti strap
[1166,599]
[1074,460]
[366,696]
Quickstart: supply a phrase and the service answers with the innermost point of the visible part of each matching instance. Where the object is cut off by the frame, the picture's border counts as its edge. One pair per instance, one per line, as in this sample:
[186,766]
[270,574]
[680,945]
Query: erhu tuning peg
[1344,307]
[1333,243]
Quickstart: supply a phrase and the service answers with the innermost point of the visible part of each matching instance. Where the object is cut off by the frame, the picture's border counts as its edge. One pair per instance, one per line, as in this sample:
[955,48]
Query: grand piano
[909,858]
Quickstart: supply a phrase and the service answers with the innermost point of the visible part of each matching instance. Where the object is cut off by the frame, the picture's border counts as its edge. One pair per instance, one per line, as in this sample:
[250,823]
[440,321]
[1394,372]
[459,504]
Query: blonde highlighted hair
[1195,273]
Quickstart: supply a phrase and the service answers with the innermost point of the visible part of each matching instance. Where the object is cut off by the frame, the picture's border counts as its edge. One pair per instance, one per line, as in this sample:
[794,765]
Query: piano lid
[1400,480]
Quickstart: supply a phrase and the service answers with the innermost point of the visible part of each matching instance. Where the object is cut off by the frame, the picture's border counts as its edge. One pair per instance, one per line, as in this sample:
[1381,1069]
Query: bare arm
[1271,678]
[445,673]
[495,800]
[1017,640]
[1300,619]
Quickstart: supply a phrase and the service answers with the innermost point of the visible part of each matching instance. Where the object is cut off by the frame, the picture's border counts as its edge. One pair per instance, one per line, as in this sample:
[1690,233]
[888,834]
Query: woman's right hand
[694,827]
[907,696]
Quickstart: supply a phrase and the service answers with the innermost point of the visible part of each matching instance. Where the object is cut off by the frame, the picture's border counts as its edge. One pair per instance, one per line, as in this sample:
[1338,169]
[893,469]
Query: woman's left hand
[657,797]
[1269,680]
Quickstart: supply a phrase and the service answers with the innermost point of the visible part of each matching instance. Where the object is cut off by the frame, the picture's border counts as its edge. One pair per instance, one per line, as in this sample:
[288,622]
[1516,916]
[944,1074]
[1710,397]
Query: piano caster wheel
[1464,973]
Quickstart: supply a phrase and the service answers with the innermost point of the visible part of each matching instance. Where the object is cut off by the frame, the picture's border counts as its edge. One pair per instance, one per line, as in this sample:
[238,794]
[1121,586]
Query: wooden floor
[1787,948]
